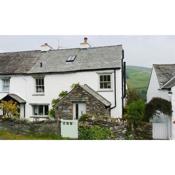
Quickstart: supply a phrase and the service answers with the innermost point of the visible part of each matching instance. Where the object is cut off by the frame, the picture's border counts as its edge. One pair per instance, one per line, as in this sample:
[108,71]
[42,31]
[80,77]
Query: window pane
[105,85]
[46,110]
[109,85]
[40,85]
[105,81]
[40,110]
[35,110]
[6,84]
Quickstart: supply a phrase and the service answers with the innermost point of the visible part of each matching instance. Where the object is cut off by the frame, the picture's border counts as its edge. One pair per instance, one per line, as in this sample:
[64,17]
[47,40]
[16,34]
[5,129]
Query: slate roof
[96,95]
[15,97]
[54,61]
[165,74]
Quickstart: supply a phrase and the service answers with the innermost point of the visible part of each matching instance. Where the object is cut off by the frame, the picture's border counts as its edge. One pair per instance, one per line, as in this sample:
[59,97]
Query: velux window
[105,81]
[71,58]
[39,83]
[5,84]
[41,110]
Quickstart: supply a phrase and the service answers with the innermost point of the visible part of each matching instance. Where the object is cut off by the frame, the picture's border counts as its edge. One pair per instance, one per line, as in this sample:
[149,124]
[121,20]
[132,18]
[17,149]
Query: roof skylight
[71,58]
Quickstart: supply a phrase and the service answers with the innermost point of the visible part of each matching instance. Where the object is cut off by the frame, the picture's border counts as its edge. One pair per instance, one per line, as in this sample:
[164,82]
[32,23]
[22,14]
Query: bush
[157,104]
[10,109]
[135,113]
[133,95]
[94,133]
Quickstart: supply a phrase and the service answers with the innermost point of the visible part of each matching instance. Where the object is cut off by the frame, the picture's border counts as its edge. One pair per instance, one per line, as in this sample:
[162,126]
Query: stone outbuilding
[82,100]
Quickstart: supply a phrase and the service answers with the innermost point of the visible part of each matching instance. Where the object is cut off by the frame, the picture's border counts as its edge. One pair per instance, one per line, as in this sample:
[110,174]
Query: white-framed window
[39,85]
[5,84]
[40,110]
[105,81]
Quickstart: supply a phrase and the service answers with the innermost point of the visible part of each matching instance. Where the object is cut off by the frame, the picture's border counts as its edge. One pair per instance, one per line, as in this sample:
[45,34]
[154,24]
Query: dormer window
[71,58]
[5,84]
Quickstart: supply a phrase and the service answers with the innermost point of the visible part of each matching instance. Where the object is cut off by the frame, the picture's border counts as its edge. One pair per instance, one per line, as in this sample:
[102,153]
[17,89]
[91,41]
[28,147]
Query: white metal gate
[160,130]
[69,128]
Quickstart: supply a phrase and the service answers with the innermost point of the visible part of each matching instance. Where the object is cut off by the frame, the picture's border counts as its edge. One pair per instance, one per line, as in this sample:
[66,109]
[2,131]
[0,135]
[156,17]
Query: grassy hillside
[138,78]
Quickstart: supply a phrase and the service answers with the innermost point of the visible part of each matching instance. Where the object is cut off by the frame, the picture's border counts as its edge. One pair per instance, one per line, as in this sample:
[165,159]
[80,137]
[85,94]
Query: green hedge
[94,133]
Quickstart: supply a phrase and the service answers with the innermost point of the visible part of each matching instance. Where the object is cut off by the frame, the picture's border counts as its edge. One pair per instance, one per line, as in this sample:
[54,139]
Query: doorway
[78,110]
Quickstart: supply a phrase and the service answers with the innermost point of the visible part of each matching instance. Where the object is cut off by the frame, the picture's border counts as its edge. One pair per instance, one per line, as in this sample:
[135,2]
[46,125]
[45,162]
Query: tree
[10,109]
[135,113]
[132,95]
[55,102]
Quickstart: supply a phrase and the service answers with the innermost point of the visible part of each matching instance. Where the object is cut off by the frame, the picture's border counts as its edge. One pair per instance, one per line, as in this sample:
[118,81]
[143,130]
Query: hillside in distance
[138,78]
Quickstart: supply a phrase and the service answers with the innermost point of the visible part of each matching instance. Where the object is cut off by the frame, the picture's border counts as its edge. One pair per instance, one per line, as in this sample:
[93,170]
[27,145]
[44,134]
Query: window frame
[37,106]
[111,81]
[41,84]
[3,86]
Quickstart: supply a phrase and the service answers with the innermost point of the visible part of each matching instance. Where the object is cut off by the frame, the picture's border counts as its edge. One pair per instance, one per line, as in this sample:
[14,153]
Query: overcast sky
[139,50]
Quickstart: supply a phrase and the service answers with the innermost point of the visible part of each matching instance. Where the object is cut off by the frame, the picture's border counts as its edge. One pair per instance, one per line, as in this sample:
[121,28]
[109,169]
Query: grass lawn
[7,135]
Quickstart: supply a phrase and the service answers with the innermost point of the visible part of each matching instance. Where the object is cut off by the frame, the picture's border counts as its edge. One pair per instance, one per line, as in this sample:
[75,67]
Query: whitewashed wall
[24,86]
[173,112]
[154,89]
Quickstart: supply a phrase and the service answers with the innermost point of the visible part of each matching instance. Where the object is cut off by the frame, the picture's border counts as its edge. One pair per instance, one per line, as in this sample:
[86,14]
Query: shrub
[94,133]
[133,95]
[135,113]
[158,104]
[10,109]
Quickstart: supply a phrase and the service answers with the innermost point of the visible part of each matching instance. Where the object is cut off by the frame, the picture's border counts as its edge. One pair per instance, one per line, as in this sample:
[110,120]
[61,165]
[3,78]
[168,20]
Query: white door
[78,110]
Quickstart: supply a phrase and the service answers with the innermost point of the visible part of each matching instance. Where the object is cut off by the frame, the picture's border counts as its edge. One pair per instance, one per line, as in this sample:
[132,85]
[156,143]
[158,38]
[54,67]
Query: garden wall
[119,128]
[25,127]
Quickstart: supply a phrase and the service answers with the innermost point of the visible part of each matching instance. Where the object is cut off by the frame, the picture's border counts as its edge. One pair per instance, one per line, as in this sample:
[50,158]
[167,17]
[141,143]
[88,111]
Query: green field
[138,78]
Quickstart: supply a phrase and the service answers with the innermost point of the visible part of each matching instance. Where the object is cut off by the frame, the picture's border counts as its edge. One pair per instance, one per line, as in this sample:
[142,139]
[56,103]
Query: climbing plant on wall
[158,104]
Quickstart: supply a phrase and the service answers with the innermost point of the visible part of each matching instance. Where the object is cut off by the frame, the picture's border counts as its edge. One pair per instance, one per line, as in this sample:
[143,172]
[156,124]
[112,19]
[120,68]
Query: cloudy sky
[139,50]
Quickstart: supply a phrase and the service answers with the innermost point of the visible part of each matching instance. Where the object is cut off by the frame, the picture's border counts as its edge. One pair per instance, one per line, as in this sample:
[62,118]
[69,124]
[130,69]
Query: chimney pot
[46,47]
[85,44]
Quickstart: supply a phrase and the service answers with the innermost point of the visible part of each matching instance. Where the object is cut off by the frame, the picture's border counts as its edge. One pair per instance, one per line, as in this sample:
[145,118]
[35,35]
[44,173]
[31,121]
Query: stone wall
[78,94]
[119,128]
[26,127]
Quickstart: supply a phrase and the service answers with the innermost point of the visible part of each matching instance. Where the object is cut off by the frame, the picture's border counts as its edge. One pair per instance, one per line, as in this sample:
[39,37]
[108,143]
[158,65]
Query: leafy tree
[55,102]
[133,95]
[135,113]
[10,109]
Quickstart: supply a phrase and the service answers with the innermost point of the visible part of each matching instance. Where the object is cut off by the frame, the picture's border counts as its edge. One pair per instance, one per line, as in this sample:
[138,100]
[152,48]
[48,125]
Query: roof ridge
[76,48]
[95,92]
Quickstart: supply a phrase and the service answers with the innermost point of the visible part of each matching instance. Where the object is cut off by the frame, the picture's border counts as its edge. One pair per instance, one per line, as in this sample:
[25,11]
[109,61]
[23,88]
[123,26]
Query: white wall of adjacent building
[154,89]
[24,86]
[173,112]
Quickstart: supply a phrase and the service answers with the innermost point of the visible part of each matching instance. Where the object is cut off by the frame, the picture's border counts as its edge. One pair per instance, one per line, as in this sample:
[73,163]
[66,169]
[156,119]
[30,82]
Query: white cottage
[162,85]
[34,78]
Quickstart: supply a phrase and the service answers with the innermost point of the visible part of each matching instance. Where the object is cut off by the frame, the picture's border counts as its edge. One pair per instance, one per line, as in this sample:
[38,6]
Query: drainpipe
[123,72]
[115,100]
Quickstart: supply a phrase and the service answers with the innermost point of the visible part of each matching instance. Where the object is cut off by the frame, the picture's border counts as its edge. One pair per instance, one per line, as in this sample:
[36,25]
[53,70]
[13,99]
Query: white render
[24,87]
[154,89]
[173,112]
[169,95]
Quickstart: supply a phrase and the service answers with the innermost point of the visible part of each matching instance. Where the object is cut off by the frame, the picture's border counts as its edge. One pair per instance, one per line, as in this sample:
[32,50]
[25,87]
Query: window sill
[105,90]
[38,94]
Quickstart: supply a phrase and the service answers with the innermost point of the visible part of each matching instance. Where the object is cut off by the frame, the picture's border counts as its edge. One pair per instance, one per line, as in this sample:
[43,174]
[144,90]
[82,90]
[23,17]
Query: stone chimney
[85,44]
[45,47]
